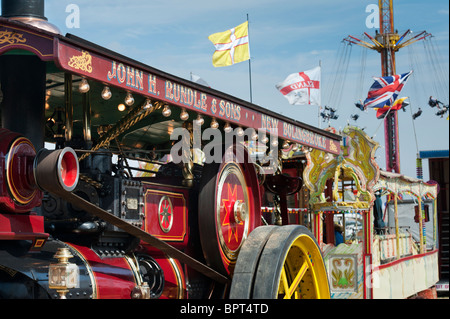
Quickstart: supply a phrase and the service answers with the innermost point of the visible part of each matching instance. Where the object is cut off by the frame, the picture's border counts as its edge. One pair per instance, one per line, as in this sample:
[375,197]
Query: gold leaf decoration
[81,62]
[11,37]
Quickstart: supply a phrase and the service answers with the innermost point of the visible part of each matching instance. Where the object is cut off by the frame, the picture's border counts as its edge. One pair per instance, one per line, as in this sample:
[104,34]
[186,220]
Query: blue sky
[286,36]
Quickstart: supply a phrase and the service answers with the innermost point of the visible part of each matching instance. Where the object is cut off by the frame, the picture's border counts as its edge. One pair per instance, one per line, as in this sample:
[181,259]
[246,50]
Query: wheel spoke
[292,288]
[284,280]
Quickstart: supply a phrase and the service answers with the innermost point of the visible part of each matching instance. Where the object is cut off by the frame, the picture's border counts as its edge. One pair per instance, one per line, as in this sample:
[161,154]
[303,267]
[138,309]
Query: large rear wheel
[290,266]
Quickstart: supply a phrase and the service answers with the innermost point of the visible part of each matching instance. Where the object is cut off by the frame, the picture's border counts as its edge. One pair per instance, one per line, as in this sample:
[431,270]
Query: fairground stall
[134,202]
[406,246]
[367,254]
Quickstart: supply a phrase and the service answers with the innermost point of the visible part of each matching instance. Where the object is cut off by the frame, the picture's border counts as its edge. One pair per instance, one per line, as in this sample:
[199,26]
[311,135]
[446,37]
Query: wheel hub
[240,211]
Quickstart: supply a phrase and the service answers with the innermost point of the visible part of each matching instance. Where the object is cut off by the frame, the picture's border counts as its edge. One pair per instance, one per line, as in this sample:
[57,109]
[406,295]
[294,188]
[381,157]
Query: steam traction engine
[85,221]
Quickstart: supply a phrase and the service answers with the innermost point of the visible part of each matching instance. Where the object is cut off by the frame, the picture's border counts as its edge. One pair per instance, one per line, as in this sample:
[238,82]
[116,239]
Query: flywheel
[229,207]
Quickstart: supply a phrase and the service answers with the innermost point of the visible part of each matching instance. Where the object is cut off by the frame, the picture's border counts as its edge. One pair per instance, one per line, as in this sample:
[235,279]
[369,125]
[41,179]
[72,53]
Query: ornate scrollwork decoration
[11,37]
[356,162]
[81,62]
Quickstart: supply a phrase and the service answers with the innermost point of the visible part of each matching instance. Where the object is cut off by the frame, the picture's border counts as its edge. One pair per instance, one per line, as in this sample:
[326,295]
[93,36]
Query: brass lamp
[63,275]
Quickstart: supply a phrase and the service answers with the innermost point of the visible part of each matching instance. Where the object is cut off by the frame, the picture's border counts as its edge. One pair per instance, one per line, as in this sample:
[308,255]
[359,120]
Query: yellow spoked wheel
[289,266]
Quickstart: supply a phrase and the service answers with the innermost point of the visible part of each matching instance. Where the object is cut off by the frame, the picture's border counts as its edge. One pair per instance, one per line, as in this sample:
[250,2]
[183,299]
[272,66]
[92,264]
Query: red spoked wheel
[229,207]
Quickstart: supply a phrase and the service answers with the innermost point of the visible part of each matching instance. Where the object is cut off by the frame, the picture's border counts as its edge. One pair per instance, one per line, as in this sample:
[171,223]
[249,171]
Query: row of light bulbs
[107,94]
[184,115]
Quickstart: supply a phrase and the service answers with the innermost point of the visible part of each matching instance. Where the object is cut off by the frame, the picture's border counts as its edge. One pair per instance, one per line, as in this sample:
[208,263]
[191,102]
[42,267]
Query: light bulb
[254,136]
[106,93]
[274,142]
[121,107]
[214,124]
[148,104]
[200,120]
[129,99]
[265,139]
[184,115]
[227,128]
[166,111]
[285,145]
[84,86]
[240,131]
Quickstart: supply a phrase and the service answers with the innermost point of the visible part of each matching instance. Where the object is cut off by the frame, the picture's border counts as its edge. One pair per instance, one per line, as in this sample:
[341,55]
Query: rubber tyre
[247,262]
[286,244]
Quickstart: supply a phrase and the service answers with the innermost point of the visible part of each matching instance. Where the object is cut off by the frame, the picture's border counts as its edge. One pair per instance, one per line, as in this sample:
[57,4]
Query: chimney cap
[23,8]
[29,12]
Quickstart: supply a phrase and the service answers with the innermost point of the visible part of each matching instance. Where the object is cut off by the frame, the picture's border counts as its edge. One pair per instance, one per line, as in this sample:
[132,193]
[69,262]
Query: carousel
[377,230]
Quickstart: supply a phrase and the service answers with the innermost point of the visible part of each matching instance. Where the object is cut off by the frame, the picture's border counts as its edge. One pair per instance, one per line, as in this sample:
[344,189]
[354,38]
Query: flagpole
[320,95]
[249,62]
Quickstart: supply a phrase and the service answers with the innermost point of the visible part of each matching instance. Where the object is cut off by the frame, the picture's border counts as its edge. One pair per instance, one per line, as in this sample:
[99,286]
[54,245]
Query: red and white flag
[302,88]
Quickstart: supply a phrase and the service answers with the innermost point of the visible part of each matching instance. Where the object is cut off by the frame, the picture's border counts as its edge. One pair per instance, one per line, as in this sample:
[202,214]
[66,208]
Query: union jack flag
[384,90]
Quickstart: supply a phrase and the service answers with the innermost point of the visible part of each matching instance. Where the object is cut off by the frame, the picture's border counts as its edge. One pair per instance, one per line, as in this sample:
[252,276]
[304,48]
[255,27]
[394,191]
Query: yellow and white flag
[232,46]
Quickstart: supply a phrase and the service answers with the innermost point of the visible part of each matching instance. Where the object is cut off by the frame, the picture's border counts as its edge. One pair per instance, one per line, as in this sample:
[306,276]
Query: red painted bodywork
[113,277]
[174,280]
[23,227]
[18,190]
[178,234]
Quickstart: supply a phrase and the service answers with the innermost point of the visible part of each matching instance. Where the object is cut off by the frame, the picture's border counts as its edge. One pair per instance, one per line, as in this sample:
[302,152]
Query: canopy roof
[401,184]
[83,60]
